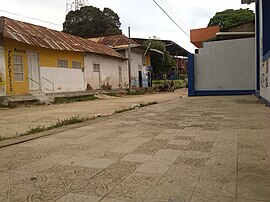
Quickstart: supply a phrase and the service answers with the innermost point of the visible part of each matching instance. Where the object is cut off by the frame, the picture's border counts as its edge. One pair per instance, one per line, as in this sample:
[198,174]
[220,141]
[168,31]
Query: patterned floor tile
[78,198]
[166,156]
[78,161]
[154,167]
[151,147]
[199,197]
[192,163]
[179,142]
[130,145]
[165,195]
[99,163]
[200,146]
[136,157]
[213,149]
[107,199]
[131,134]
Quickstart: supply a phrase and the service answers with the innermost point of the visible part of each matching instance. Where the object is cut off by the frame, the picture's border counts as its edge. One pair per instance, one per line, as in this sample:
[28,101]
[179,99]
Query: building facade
[105,73]
[30,68]
[35,59]
[263,49]
[141,71]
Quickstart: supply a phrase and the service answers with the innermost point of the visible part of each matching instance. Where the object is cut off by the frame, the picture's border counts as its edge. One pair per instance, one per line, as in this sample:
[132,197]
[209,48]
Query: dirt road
[19,120]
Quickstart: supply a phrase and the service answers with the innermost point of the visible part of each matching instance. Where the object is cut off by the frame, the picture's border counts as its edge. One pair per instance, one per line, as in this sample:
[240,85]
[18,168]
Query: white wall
[2,72]
[109,71]
[65,80]
[136,64]
[226,65]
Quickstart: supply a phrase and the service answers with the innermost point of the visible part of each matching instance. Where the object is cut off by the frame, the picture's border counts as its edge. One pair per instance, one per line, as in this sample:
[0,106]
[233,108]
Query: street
[205,149]
[19,120]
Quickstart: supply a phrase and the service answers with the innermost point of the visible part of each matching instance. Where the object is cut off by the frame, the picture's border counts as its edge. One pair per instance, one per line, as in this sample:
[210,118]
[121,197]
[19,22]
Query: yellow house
[37,59]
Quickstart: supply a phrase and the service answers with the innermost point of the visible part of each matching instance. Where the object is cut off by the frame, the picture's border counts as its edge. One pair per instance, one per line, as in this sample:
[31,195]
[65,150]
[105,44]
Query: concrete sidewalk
[19,120]
[210,149]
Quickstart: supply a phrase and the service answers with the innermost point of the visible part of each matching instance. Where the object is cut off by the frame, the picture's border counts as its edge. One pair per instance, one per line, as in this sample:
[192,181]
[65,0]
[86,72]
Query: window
[120,74]
[76,65]
[96,67]
[18,68]
[63,63]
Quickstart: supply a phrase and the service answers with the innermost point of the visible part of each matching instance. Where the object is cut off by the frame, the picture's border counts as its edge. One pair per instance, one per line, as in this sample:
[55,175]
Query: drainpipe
[129,61]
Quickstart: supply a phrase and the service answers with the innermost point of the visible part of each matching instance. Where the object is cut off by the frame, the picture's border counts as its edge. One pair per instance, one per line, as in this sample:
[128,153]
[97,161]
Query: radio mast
[73,5]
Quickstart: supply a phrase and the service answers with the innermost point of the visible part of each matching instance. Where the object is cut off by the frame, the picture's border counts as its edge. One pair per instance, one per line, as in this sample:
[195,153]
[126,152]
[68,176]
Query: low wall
[225,66]
[65,80]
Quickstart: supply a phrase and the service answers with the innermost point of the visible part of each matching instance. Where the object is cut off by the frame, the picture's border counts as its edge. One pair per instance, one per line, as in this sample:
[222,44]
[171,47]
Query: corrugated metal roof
[116,41]
[47,38]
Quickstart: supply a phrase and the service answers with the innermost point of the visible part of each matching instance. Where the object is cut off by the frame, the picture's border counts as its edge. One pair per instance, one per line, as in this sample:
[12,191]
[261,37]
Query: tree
[90,21]
[162,63]
[232,17]
[112,22]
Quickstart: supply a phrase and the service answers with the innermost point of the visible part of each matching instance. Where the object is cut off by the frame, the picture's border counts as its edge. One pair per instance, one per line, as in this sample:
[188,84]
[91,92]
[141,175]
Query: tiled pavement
[208,149]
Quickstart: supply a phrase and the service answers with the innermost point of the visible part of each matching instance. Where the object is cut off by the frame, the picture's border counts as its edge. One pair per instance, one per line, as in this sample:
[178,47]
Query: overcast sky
[144,16]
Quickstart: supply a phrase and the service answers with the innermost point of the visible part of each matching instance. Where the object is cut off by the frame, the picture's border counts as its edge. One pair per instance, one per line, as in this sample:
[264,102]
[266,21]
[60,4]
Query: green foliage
[140,105]
[69,121]
[57,124]
[37,129]
[177,83]
[112,94]
[60,100]
[162,63]
[230,17]
[2,138]
[135,93]
[90,21]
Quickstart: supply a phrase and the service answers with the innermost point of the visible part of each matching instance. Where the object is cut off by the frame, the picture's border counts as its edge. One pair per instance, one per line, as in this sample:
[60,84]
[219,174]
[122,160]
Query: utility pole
[129,61]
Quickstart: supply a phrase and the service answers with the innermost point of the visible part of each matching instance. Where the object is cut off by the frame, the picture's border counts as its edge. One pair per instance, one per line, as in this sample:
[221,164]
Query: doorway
[149,75]
[96,76]
[140,79]
[33,72]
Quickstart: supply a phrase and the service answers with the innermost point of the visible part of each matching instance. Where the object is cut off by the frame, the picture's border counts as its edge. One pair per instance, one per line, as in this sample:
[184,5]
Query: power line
[180,14]
[171,19]
[165,3]
[31,18]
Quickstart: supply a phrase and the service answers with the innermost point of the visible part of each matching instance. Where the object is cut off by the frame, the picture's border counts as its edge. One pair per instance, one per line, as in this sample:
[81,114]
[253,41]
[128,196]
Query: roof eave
[2,24]
[117,57]
[247,1]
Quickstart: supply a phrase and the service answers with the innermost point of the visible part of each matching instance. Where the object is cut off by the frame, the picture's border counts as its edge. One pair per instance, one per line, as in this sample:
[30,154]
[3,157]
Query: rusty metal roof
[47,38]
[116,41]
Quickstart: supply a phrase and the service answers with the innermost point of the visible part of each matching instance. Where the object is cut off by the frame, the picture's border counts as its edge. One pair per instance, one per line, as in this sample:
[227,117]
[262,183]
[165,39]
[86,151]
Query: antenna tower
[73,5]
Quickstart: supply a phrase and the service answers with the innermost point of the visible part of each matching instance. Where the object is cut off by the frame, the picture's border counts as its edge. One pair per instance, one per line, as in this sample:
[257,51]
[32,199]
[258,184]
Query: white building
[140,74]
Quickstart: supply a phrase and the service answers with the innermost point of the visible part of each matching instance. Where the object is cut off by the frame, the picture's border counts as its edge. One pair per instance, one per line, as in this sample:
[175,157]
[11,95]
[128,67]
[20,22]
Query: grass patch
[177,83]
[34,130]
[112,94]
[59,123]
[2,138]
[70,121]
[61,100]
[136,93]
[137,106]
[5,106]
